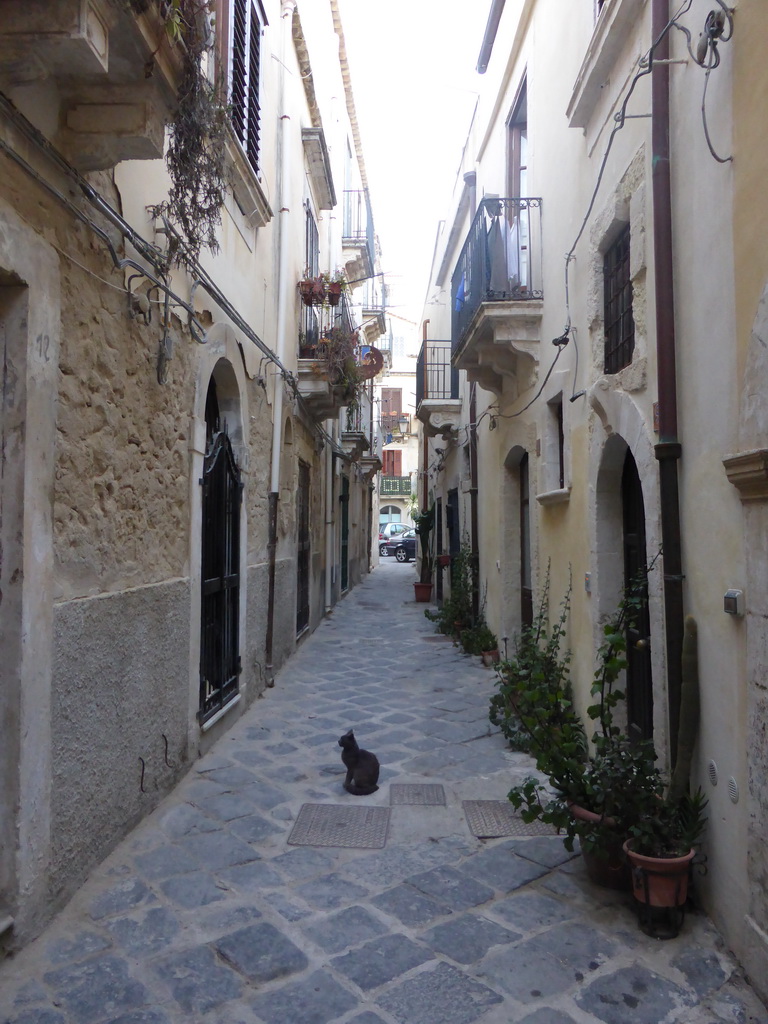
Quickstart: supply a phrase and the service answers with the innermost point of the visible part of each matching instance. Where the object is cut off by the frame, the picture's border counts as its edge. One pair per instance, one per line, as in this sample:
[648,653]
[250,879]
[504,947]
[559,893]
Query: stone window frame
[626,205]
[553,445]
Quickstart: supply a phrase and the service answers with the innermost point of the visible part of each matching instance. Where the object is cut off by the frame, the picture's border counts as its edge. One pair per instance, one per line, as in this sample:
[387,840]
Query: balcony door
[392,462]
[517,188]
[391,410]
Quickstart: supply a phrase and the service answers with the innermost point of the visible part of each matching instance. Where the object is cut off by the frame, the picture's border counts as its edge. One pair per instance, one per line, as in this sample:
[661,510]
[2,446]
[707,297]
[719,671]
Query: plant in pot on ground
[595,791]
[664,838]
[478,639]
[611,796]
[455,614]
[424,524]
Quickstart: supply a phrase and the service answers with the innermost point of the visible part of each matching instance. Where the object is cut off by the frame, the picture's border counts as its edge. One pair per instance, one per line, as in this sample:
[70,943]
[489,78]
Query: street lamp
[404,424]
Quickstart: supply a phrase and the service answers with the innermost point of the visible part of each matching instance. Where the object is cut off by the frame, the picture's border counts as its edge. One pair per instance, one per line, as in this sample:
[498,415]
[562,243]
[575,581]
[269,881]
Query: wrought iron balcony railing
[321,323]
[500,261]
[435,377]
[357,225]
[395,486]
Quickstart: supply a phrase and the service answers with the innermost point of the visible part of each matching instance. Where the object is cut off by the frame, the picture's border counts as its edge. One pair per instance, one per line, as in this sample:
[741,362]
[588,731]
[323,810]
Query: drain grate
[492,819]
[358,828]
[417,793]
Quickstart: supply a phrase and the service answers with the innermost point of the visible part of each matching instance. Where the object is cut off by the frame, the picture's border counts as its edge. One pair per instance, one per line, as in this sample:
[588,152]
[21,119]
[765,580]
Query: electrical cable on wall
[156,259]
[708,57]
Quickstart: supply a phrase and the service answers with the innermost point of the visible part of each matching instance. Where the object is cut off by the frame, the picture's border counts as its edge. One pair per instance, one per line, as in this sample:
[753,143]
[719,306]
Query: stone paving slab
[206,914]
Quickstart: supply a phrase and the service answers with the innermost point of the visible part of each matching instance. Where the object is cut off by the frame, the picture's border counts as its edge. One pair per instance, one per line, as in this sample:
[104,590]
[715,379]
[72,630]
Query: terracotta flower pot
[422,592]
[659,881]
[489,658]
[610,869]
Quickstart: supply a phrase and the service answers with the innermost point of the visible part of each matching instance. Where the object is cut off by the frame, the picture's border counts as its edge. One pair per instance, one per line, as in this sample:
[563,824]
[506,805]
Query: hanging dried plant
[196,146]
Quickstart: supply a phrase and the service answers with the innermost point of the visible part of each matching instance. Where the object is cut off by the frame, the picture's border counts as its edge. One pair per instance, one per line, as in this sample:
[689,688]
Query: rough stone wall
[120,683]
[259,435]
[121,498]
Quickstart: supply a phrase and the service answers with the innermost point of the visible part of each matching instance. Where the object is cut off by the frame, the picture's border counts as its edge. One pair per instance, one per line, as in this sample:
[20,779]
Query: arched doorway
[516,560]
[220,663]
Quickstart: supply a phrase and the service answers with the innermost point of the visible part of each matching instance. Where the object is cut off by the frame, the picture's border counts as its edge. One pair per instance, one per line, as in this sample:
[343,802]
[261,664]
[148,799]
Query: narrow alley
[224,906]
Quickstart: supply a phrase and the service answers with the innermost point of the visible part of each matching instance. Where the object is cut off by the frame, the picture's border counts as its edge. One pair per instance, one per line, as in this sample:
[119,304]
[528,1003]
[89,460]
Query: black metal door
[344,499]
[639,677]
[303,553]
[220,605]
[526,585]
[439,547]
[454,529]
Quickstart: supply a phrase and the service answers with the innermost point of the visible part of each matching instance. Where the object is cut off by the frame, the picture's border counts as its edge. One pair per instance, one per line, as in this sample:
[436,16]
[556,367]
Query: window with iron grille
[245,61]
[619,322]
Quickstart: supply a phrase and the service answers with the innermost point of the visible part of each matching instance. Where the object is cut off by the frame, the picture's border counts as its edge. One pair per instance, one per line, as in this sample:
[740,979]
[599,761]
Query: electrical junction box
[733,602]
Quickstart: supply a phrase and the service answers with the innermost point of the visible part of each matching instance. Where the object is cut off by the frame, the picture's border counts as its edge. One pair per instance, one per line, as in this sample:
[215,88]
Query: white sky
[412,64]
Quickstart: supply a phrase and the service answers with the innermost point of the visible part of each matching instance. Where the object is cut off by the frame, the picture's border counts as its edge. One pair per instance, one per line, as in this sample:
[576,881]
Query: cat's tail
[359,790]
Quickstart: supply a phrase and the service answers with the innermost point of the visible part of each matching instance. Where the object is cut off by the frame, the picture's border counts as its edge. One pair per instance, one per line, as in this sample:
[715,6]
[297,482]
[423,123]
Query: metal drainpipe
[425,439]
[284,169]
[329,520]
[473,499]
[668,449]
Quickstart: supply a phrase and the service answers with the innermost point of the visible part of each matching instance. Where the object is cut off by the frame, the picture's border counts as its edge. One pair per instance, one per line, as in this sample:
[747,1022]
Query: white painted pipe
[283,281]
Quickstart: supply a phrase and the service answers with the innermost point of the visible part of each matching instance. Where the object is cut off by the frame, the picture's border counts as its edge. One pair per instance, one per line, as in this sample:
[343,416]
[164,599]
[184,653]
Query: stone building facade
[186,485]
[561,454]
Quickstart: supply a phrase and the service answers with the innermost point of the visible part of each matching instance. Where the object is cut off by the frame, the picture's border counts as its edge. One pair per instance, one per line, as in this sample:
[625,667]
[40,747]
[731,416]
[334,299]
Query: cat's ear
[349,733]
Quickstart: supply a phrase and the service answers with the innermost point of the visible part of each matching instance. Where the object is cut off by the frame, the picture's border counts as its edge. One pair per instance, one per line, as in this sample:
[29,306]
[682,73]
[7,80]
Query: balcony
[497,296]
[395,487]
[114,72]
[357,424]
[358,242]
[369,466]
[438,405]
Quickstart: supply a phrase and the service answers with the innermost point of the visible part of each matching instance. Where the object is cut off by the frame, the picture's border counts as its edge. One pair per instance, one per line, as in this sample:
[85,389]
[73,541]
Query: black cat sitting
[362,767]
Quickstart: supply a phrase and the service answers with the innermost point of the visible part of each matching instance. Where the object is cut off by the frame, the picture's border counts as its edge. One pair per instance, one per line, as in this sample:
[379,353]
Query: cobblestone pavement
[206,914]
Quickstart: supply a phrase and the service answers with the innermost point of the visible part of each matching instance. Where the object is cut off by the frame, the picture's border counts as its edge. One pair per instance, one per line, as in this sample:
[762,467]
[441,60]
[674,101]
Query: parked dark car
[387,532]
[403,547]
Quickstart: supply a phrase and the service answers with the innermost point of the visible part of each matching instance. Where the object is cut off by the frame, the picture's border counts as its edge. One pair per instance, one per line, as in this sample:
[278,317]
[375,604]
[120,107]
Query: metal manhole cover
[359,828]
[491,819]
[417,793]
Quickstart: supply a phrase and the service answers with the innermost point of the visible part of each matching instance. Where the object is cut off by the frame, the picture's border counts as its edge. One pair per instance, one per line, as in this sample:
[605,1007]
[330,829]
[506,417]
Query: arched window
[390,514]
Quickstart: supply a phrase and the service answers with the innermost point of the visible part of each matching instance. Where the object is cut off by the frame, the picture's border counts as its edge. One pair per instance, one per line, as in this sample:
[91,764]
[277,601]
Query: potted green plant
[424,523]
[455,614]
[479,639]
[596,791]
[666,833]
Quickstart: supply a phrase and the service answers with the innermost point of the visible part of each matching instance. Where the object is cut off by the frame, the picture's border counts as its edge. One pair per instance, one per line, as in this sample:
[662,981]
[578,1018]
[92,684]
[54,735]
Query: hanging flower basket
[334,293]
